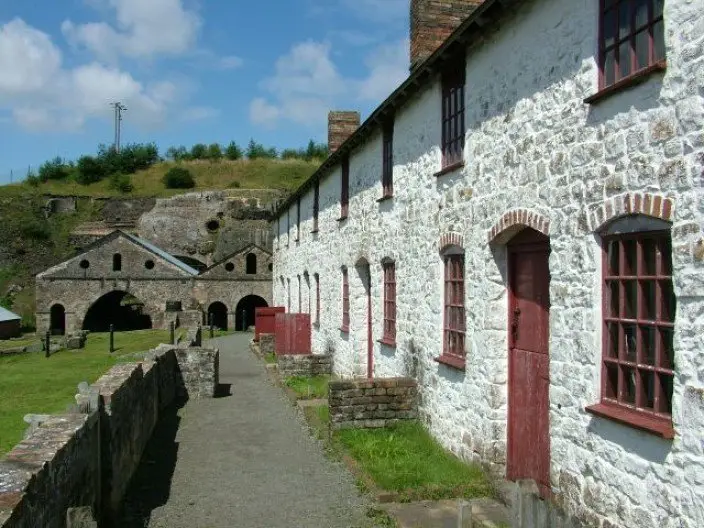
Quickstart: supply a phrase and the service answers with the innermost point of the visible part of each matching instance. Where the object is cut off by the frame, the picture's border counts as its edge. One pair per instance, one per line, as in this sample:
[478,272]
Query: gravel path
[243,460]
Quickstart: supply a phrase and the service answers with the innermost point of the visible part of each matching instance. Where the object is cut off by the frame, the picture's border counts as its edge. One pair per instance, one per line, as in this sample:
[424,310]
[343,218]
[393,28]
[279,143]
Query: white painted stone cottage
[519,226]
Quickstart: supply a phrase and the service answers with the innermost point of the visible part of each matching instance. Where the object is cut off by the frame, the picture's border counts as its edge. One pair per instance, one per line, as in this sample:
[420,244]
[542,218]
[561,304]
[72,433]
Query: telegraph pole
[119,108]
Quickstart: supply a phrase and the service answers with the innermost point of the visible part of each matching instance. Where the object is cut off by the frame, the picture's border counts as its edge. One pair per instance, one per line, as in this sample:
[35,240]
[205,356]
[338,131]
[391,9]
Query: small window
[345,301]
[632,38]
[212,225]
[117,262]
[230,266]
[251,264]
[389,303]
[149,264]
[639,318]
[84,264]
[387,177]
[316,206]
[317,298]
[345,188]
[453,87]
[454,316]
[271,267]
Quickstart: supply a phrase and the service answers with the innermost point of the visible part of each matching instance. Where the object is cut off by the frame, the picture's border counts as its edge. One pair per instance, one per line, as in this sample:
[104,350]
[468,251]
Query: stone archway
[118,308]
[244,313]
[57,323]
[217,315]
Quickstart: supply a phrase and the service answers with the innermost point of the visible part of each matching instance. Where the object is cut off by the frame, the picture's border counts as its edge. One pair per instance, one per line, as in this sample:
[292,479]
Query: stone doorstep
[485,513]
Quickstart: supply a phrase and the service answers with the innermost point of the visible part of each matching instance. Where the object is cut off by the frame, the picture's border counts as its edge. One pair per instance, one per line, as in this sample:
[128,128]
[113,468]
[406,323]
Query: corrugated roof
[163,254]
[7,315]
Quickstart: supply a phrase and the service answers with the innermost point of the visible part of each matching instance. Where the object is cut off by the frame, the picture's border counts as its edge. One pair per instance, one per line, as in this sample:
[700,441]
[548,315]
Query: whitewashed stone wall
[531,143]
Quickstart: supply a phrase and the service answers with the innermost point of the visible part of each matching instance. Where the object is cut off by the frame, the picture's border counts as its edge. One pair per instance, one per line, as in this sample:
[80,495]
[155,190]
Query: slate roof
[163,254]
[7,315]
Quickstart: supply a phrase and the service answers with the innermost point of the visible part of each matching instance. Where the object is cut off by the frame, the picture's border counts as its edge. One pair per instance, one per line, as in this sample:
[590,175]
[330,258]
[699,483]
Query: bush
[33,180]
[55,169]
[257,150]
[178,178]
[35,230]
[214,152]
[121,183]
[235,185]
[233,151]
[89,170]
[199,151]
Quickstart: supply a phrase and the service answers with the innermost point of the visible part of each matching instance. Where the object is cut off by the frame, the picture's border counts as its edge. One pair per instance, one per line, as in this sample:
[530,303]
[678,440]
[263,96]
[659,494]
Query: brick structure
[432,21]
[341,125]
[372,403]
[304,365]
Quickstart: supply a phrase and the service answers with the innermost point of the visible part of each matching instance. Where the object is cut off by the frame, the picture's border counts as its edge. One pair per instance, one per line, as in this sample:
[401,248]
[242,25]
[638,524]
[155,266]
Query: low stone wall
[267,343]
[372,403]
[304,365]
[87,458]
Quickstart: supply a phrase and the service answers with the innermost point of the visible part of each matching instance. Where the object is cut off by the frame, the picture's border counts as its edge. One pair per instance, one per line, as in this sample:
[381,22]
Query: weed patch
[307,388]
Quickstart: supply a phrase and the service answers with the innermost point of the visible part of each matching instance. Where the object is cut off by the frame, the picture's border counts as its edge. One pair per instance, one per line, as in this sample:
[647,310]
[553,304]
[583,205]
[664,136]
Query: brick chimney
[341,125]
[433,21]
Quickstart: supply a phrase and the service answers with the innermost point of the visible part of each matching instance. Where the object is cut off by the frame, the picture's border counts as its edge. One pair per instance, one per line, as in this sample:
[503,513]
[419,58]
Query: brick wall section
[304,365]
[433,21]
[372,403]
[341,125]
[88,459]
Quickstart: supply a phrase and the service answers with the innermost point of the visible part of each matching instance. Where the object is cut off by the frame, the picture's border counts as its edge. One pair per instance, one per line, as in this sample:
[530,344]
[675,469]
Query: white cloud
[388,67]
[230,62]
[306,84]
[145,28]
[41,95]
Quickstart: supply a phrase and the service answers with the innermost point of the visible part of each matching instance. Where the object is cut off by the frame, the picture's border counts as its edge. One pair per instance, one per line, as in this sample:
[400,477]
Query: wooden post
[112,338]
[47,344]
[171,332]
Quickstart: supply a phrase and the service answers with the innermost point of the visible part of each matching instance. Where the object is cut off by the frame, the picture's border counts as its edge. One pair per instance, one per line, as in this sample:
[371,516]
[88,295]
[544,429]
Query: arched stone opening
[58,320]
[118,308]
[217,315]
[244,313]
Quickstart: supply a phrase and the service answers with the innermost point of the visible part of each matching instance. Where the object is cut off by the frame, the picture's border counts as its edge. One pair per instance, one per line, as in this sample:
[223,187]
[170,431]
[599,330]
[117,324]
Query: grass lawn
[31,383]
[406,459]
[19,342]
[308,388]
[270,358]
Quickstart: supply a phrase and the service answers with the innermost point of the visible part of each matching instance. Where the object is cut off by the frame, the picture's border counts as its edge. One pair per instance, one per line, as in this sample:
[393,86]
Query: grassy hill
[30,242]
[224,174]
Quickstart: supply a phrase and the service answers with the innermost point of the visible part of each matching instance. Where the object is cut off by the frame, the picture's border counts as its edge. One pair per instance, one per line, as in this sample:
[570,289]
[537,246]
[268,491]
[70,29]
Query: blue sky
[189,71]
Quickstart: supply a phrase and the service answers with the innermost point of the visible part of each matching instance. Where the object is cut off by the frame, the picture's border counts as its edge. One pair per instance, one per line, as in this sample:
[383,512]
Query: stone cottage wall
[304,365]
[531,144]
[88,459]
[362,404]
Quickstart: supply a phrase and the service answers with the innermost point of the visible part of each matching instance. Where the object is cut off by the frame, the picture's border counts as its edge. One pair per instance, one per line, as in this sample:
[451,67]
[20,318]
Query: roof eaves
[422,73]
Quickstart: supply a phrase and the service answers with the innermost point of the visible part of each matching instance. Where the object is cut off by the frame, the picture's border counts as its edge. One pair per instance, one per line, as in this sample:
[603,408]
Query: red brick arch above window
[516,219]
[649,204]
[451,239]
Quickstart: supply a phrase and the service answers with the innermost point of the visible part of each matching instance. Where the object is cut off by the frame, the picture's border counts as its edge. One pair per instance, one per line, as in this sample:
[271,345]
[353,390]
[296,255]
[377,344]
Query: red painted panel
[293,334]
[264,320]
[529,361]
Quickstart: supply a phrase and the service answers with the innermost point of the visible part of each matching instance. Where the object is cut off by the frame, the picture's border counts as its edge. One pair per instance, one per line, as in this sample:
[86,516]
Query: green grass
[19,342]
[270,358]
[406,459]
[308,387]
[34,384]
[224,174]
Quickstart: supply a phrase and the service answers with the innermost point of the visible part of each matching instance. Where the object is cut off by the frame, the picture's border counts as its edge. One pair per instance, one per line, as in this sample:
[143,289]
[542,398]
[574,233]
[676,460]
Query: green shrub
[178,178]
[89,170]
[214,152]
[199,151]
[235,185]
[233,151]
[33,180]
[35,230]
[121,182]
[55,169]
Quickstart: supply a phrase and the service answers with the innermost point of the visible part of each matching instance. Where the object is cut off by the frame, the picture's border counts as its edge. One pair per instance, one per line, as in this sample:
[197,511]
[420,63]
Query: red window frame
[387,175]
[345,190]
[298,220]
[453,127]
[389,334]
[454,312]
[638,324]
[345,301]
[317,298]
[316,206]
[639,44]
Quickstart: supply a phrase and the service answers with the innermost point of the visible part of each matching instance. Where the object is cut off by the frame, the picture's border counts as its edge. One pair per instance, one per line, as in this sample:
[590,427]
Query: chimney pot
[433,21]
[341,125]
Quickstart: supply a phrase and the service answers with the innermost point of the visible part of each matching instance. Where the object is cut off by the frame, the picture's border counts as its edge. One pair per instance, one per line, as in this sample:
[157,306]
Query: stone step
[476,513]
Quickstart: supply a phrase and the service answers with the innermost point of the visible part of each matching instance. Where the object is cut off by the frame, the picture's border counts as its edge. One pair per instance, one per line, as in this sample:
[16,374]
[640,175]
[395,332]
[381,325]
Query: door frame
[526,241]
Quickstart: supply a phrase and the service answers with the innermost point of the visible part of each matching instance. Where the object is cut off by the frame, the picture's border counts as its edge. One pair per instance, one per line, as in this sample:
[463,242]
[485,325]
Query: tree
[199,151]
[233,151]
[89,170]
[178,178]
[55,169]
[214,152]
[255,150]
[290,154]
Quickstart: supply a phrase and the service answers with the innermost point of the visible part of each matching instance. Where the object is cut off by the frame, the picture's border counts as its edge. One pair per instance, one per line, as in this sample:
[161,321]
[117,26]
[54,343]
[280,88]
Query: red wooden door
[529,361]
